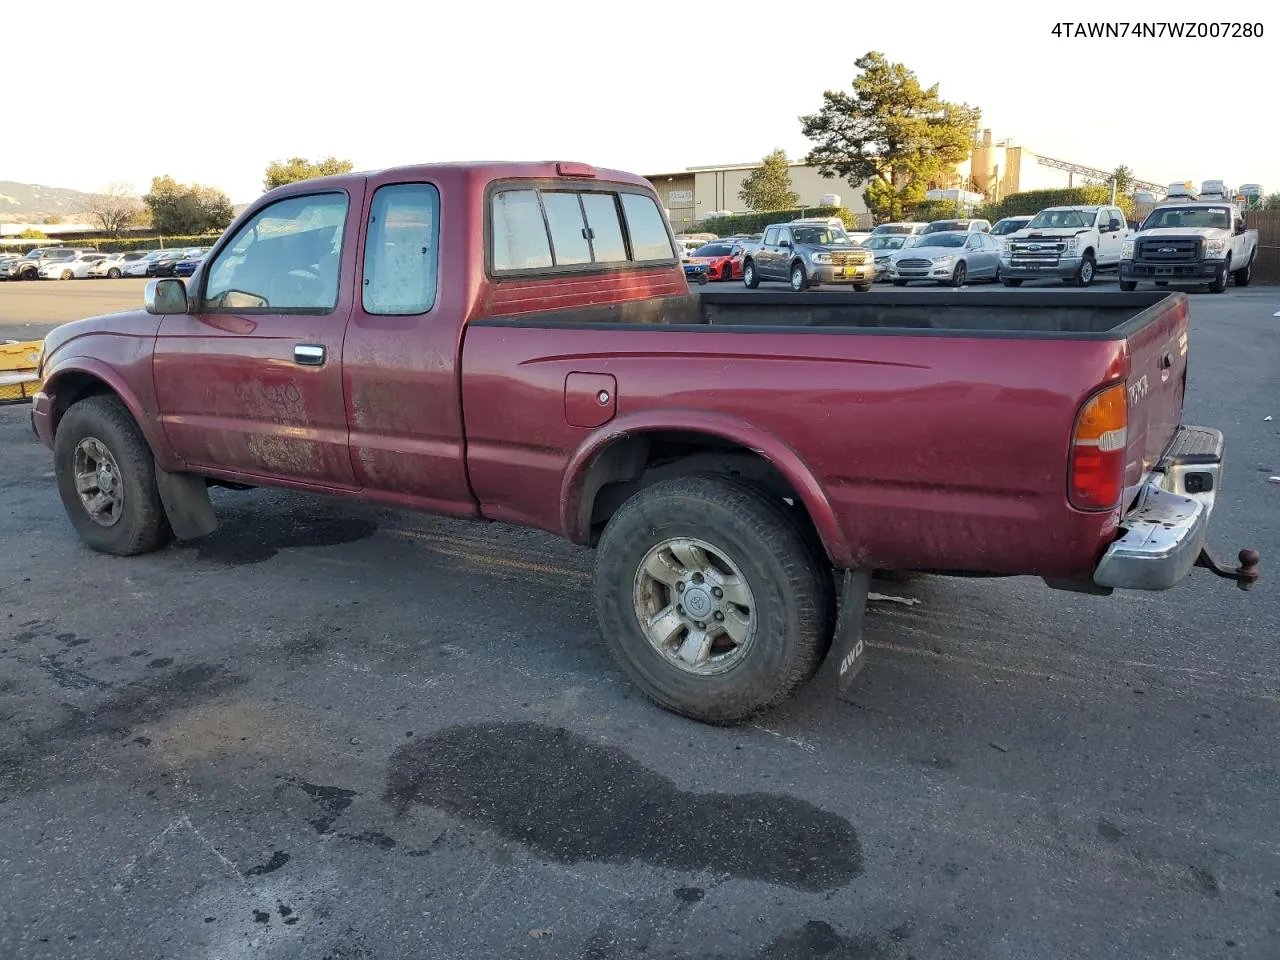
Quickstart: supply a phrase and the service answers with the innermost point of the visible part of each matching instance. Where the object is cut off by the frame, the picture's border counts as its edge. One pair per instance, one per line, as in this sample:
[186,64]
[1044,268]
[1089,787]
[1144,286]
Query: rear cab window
[569,226]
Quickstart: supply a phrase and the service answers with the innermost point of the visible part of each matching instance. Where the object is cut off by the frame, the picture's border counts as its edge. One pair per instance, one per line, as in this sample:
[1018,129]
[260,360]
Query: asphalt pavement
[335,732]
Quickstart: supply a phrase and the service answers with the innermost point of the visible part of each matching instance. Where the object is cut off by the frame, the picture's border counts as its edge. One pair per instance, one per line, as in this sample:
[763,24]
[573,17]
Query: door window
[285,259]
[401,250]
[649,237]
[771,237]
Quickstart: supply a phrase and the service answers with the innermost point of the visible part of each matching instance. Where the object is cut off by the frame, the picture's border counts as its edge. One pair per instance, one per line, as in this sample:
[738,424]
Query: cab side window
[401,250]
[771,237]
[285,259]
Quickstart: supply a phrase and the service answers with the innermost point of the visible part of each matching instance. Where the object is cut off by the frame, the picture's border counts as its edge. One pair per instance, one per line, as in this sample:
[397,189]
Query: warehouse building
[695,193]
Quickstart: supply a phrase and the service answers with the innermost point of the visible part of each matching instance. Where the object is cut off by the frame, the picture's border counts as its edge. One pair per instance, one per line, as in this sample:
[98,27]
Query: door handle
[309,354]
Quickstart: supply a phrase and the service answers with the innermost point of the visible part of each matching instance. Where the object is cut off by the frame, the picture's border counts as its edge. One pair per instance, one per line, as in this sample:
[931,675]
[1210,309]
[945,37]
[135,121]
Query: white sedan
[138,268]
[76,268]
[113,265]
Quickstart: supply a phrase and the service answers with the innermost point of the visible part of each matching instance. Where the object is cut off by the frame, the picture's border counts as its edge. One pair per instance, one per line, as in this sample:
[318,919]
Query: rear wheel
[749,277]
[711,599]
[799,277]
[107,479]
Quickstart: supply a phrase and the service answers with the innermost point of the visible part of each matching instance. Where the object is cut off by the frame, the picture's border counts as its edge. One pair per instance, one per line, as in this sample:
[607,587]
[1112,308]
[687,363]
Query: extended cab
[805,255]
[1193,243]
[1071,243]
[516,342]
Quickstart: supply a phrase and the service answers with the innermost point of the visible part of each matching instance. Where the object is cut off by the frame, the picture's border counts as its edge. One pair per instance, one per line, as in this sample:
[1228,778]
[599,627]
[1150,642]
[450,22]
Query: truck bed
[1050,314]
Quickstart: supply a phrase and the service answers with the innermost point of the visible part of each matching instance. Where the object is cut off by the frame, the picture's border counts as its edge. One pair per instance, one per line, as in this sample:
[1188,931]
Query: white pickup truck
[1191,242]
[1070,243]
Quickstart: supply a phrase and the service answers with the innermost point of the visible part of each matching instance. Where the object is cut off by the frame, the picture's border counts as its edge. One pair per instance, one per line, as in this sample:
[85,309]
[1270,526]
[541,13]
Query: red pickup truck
[517,342]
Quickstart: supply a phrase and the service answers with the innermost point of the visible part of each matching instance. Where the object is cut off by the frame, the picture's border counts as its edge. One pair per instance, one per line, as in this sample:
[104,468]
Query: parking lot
[337,732]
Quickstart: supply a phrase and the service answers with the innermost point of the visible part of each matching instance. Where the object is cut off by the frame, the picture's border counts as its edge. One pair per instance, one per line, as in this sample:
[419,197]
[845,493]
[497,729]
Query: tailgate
[1156,384]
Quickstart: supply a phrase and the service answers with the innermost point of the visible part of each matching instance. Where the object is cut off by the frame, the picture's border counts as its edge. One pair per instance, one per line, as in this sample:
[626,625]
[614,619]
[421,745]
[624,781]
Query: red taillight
[1098,445]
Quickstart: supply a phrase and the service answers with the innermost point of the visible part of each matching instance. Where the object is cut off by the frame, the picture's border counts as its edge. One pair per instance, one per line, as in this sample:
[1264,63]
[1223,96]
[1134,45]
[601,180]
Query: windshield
[944,240]
[1005,227]
[714,250]
[1061,220]
[943,226]
[1213,218]
[818,235]
[883,242]
[890,228]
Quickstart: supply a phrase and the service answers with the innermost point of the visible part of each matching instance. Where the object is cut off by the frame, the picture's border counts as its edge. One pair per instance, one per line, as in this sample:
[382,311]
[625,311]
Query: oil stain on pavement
[253,536]
[572,800]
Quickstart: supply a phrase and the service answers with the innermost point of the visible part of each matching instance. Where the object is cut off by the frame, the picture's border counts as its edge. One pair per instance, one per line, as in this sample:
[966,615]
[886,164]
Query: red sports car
[723,260]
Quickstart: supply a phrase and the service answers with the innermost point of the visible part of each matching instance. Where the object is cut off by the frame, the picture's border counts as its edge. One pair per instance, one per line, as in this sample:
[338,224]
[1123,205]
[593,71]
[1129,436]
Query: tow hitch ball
[1245,575]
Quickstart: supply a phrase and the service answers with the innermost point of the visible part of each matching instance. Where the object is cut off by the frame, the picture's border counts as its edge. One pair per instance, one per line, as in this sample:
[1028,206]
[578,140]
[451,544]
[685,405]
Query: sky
[212,93]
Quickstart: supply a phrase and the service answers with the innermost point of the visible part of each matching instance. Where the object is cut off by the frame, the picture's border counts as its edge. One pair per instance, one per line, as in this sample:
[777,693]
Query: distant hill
[32,202]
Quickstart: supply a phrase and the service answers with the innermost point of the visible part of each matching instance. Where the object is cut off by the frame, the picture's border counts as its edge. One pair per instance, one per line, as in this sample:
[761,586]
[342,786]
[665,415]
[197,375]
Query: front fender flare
[721,426]
[89,366]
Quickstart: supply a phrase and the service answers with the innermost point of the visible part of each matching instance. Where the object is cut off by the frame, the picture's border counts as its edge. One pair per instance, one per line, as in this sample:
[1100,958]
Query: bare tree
[115,208]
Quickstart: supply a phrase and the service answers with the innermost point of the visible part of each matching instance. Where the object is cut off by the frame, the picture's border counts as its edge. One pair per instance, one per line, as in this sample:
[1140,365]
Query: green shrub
[756,222]
[1033,201]
[147,243]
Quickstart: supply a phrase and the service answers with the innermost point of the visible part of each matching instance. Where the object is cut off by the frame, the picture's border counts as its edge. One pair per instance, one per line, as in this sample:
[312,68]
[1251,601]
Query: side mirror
[166,296]
[1115,225]
[1241,226]
[784,243]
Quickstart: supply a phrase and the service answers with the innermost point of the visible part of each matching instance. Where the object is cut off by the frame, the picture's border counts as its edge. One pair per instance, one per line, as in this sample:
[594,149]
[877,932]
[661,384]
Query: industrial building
[695,193]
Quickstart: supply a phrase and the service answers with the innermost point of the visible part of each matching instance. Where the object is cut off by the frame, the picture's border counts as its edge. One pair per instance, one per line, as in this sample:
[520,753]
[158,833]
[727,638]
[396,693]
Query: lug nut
[697,578]
[701,625]
[717,592]
[680,587]
[719,615]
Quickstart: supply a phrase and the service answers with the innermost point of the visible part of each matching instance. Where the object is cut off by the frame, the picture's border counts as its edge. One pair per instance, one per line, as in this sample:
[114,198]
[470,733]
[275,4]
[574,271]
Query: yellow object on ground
[19,363]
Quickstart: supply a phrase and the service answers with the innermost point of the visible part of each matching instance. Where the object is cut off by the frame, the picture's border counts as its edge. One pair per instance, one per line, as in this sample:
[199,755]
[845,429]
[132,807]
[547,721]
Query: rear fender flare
[575,520]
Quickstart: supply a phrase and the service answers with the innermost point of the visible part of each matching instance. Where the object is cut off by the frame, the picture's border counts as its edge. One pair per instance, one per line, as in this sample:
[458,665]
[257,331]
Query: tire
[1162,283]
[789,587]
[28,275]
[702,279]
[862,287]
[899,283]
[1128,286]
[959,274]
[999,274]
[1085,273]
[750,279]
[1219,284]
[113,273]
[68,275]
[799,277]
[140,524]
[1244,276]
[1011,281]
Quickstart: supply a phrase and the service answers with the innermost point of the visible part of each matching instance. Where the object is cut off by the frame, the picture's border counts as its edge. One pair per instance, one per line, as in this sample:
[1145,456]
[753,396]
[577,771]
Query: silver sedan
[949,257]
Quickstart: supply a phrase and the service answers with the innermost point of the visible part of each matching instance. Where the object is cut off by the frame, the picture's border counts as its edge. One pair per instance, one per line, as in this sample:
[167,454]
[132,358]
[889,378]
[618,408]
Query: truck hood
[130,323]
[833,247]
[1213,233]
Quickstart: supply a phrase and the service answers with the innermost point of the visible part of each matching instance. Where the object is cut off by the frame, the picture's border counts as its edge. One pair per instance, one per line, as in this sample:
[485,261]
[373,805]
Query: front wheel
[702,279]
[1244,275]
[107,479]
[899,283]
[862,287]
[959,274]
[1219,284]
[1085,272]
[799,277]
[1128,286]
[113,274]
[1011,281]
[711,598]
[68,275]
[750,279]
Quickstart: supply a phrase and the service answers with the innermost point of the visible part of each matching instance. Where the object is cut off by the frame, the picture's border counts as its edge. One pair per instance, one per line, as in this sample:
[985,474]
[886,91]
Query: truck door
[767,252]
[249,382]
[1112,221]
[400,357]
[780,255]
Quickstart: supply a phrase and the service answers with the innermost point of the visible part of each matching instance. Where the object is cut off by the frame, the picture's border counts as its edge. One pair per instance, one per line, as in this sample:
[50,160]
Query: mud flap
[847,648]
[186,503]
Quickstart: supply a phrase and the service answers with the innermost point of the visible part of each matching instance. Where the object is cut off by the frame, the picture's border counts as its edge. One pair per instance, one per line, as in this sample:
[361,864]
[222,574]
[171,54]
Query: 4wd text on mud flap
[851,657]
